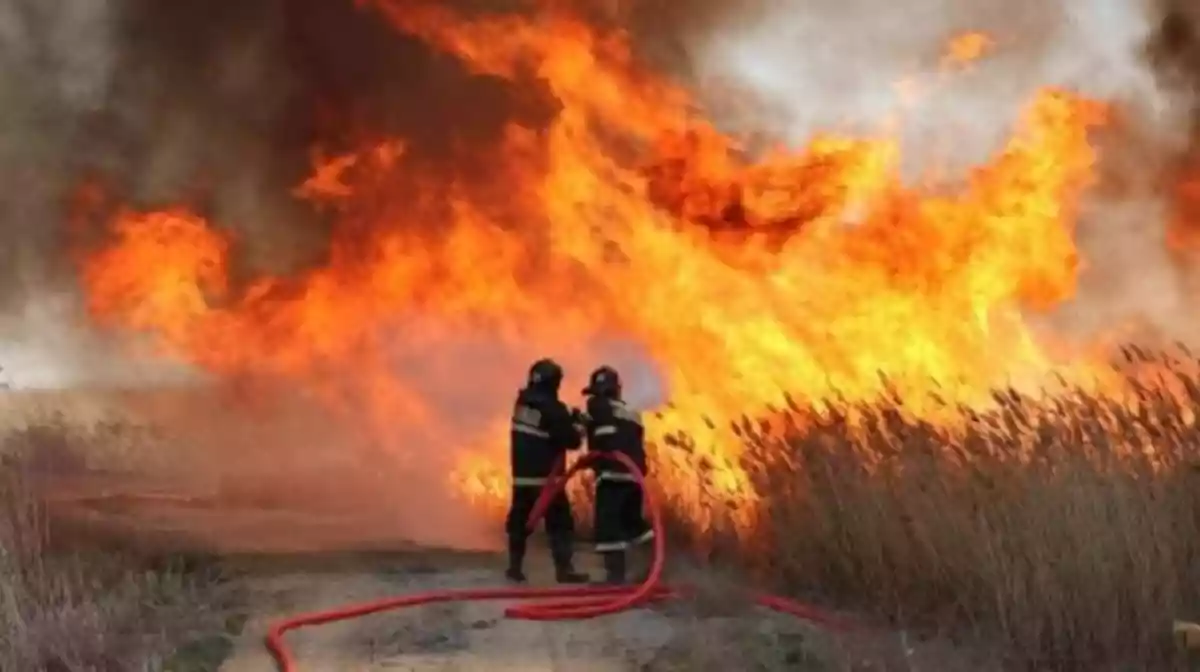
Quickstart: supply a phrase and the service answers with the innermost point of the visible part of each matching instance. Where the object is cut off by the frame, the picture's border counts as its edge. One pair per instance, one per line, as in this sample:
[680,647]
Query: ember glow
[808,273]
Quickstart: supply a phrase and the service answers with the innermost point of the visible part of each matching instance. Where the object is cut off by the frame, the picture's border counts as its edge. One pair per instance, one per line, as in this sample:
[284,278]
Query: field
[72,600]
[1040,536]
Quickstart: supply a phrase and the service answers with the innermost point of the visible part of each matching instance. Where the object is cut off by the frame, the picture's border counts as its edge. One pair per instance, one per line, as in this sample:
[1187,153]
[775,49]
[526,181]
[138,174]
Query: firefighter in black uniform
[543,430]
[614,427]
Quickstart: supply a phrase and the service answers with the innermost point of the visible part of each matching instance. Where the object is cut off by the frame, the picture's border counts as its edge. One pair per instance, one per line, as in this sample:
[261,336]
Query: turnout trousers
[559,522]
[560,528]
[620,520]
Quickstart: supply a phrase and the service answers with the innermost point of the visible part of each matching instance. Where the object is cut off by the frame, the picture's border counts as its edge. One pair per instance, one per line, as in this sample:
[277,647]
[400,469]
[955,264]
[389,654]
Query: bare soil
[282,559]
[288,560]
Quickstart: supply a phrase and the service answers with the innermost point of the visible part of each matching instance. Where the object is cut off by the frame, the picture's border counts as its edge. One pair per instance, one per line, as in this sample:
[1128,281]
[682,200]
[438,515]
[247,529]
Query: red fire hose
[569,603]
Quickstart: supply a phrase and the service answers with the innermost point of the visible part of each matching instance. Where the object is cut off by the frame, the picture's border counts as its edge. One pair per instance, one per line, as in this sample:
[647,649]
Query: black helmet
[604,382]
[545,375]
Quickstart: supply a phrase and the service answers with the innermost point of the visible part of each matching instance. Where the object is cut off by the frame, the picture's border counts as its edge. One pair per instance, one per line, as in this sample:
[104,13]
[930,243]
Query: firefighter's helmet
[604,382]
[545,374]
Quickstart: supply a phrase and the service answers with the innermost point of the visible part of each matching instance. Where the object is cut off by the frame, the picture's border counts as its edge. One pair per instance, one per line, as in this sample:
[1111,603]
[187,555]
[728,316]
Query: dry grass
[1061,536]
[73,609]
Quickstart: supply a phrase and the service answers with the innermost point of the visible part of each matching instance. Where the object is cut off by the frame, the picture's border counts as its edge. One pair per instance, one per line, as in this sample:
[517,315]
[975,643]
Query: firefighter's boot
[564,568]
[516,560]
[614,568]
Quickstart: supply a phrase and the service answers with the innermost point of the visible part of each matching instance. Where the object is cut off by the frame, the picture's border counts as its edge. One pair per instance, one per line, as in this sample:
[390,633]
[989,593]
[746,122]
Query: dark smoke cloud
[215,102]
[1173,50]
[1174,47]
[48,87]
[219,102]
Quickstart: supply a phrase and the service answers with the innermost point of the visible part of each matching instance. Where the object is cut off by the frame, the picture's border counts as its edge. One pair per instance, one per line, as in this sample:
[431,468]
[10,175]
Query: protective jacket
[543,429]
[612,426]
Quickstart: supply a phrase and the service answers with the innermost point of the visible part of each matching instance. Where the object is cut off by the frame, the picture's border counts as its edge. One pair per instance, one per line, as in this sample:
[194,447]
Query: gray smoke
[56,65]
[862,66]
[216,104]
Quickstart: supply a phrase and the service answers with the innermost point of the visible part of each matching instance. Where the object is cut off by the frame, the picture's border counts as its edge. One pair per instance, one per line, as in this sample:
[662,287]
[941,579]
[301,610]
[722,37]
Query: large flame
[753,282]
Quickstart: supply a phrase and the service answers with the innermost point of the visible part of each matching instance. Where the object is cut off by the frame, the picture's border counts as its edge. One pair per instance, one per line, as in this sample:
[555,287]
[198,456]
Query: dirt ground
[281,560]
[475,636]
[284,565]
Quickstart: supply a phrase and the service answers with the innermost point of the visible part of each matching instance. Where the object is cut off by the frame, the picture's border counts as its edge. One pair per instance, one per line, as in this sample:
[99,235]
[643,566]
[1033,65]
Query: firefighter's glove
[579,419]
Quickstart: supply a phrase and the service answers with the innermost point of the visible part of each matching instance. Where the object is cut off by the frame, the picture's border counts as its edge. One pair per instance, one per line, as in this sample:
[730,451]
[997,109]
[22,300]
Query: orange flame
[804,275]
[1183,234]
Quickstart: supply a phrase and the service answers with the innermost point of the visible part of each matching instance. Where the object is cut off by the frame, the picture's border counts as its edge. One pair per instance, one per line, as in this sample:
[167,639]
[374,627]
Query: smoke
[1139,281]
[856,65]
[56,60]
[218,104]
[140,95]
[862,66]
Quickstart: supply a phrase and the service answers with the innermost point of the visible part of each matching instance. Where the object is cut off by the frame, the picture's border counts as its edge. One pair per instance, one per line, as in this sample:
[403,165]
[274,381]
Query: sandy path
[290,574]
[287,574]
[444,637]
[718,632]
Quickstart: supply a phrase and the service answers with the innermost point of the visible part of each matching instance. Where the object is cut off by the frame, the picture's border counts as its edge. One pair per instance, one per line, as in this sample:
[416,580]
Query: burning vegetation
[812,272]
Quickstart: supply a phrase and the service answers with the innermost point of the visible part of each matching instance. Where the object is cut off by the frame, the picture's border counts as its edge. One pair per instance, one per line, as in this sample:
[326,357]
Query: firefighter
[543,430]
[612,426]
